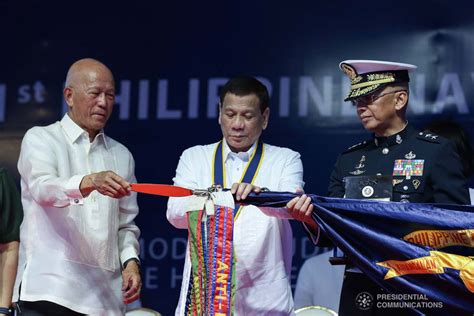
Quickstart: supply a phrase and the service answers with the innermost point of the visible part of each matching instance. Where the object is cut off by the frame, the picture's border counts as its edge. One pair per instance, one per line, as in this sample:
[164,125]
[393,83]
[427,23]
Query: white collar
[243,155]
[74,131]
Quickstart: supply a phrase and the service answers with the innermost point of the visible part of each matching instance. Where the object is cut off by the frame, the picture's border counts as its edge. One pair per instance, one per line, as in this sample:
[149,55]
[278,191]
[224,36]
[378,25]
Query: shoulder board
[356,146]
[429,137]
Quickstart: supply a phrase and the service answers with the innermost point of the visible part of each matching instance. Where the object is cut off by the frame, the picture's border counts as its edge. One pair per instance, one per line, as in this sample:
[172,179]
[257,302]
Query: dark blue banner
[406,248]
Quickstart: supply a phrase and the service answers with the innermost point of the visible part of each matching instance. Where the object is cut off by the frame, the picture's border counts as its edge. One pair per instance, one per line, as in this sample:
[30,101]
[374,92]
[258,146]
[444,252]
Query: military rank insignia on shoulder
[356,146]
[429,137]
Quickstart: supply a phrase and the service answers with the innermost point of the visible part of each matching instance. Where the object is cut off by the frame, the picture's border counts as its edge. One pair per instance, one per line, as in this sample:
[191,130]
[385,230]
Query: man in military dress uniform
[425,168]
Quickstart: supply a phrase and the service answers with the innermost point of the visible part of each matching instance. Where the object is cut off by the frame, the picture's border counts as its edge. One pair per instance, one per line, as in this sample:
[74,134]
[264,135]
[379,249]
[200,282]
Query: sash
[211,289]
[249,173]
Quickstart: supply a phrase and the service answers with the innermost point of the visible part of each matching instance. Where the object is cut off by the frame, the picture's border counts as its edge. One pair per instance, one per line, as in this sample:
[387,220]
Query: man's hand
[301,208]
[241,190]
[131,282]
[107,183]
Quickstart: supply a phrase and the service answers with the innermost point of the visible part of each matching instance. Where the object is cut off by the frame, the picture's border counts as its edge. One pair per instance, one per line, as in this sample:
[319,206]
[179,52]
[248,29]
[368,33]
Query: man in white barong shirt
[79,252]
[263,244]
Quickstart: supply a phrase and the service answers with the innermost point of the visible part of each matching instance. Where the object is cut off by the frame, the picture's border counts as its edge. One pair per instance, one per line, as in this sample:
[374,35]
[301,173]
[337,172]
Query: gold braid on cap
[354,93]
[373,79]
[351,73]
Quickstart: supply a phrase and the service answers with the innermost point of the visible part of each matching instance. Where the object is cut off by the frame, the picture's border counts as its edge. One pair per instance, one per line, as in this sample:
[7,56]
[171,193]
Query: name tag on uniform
[408,168]
[376,187]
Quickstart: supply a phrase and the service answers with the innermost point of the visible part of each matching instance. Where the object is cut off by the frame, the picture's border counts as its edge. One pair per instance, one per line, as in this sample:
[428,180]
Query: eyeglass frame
[373,97]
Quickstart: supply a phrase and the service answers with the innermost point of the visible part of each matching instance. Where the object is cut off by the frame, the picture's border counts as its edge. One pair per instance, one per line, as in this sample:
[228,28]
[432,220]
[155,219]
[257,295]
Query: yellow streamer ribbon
[435,263]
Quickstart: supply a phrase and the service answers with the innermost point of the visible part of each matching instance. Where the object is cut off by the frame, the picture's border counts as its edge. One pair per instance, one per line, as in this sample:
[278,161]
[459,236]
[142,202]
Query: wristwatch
[131,259]
[6,311]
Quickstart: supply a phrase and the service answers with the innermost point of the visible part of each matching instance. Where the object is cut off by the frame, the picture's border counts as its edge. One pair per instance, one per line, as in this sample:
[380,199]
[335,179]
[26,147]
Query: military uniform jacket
[425,167]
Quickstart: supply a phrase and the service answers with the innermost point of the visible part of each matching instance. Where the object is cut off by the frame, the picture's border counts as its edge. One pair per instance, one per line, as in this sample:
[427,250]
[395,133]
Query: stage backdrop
[170,59]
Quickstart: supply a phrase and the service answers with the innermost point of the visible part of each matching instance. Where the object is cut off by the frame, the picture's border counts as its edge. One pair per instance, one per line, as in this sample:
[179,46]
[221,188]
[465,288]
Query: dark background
[179,44]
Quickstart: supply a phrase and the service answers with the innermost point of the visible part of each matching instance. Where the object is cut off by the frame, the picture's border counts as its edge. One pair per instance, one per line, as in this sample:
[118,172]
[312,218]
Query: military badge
[367,191]
[396,181]
[349,71]
[398,139]
[357,172]
[408,168]
[410,155]
[431,136]
[361,165]
[416,183]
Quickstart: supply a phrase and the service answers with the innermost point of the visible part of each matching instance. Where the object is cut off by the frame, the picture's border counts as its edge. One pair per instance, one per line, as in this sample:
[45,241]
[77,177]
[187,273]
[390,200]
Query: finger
[120,193]
[109,191]
[240,190]
[133,289]
[300,202]
[234,188]
[309,212]
[121,181]
[291,204]
[115,187]
[127,186]
[299,190]
[104,192]
[304,208]
[132,298]
[130,291]
[125,279]
[291,208]
[128,282]
[248,188]
[306,204]
[118,184]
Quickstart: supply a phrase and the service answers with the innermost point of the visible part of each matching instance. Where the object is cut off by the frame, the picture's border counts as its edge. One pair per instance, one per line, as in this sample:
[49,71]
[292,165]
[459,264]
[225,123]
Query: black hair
[245,85]
[458,135]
